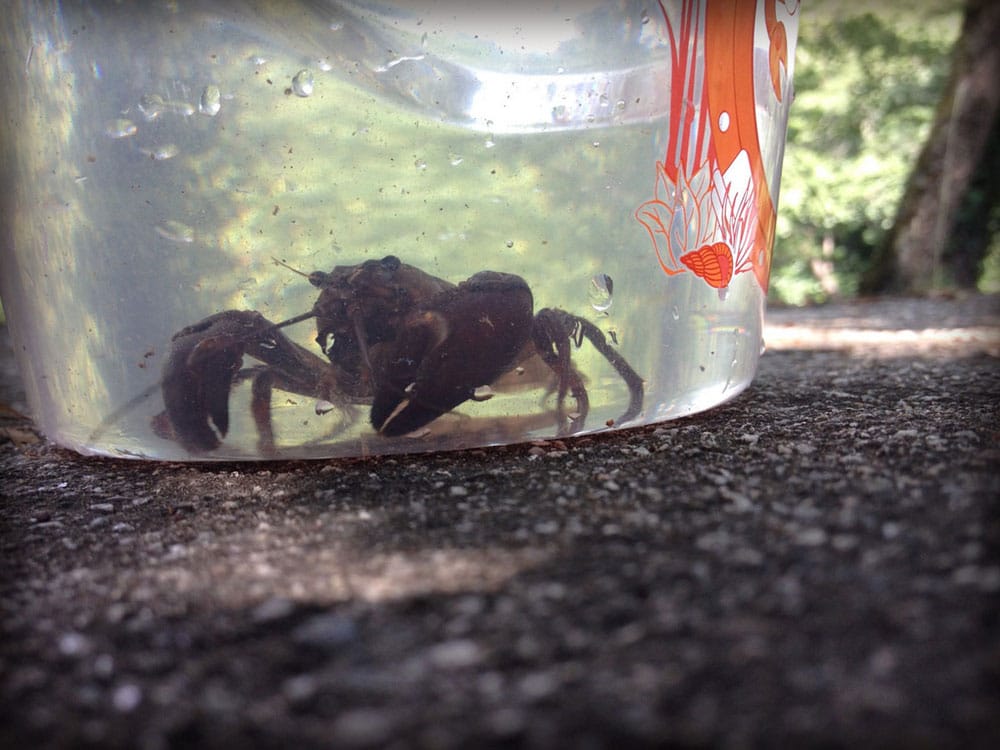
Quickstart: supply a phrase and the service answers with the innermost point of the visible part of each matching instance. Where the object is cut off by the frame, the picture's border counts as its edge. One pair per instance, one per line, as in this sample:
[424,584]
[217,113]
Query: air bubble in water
[420,164]
[483,393]
[454,159]
[510,243]
[675,313]
[601,289]
[302,83]
[211,101]
[120,128]
[324,407]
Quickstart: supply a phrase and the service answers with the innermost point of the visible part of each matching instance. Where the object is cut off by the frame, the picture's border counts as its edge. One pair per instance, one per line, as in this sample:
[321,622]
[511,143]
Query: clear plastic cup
[315,229]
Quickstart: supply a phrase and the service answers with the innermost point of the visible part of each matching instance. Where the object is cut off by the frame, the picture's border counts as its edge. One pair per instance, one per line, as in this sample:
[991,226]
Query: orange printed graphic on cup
[713,210]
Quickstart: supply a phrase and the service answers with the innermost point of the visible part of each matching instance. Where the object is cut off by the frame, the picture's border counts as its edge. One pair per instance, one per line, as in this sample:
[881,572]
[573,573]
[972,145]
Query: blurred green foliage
[868,77]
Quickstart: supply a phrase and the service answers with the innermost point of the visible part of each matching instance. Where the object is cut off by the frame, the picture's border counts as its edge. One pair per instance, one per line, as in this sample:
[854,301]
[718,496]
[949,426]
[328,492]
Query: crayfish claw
[203,363]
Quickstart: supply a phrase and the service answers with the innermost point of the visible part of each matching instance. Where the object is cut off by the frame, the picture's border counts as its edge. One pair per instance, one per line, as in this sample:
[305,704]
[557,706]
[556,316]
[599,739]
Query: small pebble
[325,631]
[361,726]
[299,688]
[272,609]
[537,685]
[455,654]
[73,644]
[126,697]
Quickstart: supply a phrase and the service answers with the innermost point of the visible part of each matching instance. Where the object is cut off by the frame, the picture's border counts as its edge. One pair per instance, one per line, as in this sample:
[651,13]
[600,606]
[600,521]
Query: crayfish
[409,344]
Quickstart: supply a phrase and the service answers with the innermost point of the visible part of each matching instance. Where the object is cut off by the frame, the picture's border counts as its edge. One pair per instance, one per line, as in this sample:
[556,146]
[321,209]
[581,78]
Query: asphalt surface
[813,564]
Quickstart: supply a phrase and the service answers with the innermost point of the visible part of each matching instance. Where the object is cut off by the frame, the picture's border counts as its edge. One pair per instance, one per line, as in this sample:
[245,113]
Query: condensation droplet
[620,106]
[509,243]
[184,109]
[724,122]
[324,407]
[211,101]
[488,143]
[420,164]
[596,144]
[162,153]
[454,159]
[675,313]
[175,231]
[603,101]
[601,289]
[151,106]
[120,128]
[302,83]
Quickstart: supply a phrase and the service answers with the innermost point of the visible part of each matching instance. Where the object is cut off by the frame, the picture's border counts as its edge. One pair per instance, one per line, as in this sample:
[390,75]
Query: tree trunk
[910,258]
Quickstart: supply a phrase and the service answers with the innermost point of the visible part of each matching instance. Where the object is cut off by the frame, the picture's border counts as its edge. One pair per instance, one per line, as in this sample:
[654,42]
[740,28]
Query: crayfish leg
[553,344]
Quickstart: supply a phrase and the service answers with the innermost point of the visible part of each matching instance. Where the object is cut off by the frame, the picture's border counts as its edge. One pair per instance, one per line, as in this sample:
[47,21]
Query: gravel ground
[813,564]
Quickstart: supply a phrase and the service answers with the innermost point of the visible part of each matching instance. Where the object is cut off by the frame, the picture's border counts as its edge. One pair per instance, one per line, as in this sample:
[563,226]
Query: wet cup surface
[317,229]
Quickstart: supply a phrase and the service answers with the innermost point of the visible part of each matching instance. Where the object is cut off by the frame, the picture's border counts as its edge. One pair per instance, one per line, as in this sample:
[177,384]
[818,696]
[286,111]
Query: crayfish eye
[320,279]
[390,263]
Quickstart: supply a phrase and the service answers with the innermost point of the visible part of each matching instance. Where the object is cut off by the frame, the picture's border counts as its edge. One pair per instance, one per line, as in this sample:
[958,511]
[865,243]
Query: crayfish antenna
[318,279]
[105,424]
[292,321]
[293,269]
